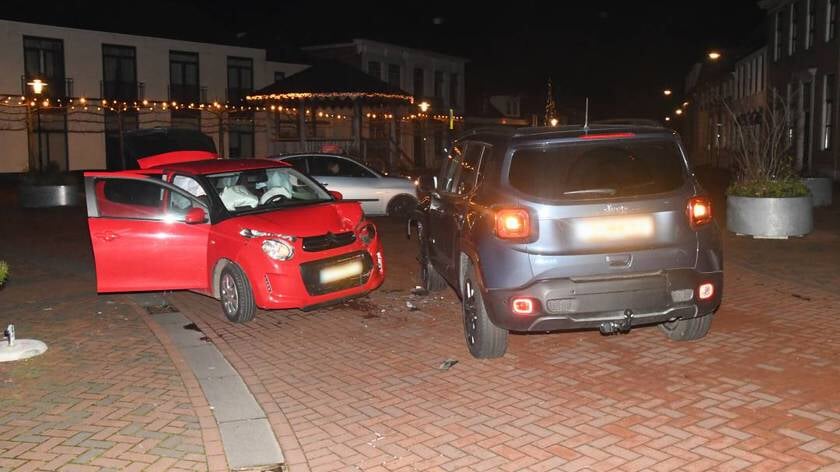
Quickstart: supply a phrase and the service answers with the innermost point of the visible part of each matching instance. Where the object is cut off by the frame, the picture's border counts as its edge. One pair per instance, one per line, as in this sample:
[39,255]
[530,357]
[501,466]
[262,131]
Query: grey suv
[545,229]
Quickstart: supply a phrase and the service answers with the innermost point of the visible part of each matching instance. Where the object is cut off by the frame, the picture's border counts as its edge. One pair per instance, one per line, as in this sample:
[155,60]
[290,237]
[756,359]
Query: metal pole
[221,116]
[122,139]
[40,151]
[302,125]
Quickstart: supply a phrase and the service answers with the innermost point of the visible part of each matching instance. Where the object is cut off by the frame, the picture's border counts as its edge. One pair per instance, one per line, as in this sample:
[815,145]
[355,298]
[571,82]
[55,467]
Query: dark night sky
[619,53]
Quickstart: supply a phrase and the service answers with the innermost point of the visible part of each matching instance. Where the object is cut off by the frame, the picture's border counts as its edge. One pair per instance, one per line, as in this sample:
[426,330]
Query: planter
[44,196]
[820,188]
[774,218]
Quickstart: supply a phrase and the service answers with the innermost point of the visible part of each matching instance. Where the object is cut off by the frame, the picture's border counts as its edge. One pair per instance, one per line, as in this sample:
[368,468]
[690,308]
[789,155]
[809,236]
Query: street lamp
[38,86]
[678,111]
[424,106]
[714,55]
[667,92]
[553,122]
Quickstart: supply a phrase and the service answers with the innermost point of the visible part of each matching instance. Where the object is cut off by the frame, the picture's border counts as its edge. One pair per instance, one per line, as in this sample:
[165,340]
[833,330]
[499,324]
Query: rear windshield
[598,169]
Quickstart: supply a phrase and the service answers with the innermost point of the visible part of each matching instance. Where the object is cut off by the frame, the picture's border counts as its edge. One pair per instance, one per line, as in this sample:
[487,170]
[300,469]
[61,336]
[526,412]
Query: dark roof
[331,78]
[571,131]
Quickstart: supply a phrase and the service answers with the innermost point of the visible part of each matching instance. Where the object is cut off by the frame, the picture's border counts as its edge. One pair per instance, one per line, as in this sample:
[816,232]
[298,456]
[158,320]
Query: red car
[251,233]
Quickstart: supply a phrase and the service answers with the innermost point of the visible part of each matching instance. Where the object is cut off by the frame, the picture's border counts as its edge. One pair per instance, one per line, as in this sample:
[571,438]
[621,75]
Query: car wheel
[401,206]
[687,330]
[484,339]
[430,278]
[236,295]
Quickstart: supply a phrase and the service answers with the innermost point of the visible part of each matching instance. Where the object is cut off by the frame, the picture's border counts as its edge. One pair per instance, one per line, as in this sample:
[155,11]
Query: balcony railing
[55,87]
[119,90]
[187,93]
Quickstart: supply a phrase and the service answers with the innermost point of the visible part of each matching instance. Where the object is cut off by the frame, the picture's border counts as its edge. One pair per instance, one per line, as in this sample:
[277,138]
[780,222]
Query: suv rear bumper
[582,303]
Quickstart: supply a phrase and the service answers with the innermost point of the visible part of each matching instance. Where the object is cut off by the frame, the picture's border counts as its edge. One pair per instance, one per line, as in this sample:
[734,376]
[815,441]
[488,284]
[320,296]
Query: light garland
[331,95]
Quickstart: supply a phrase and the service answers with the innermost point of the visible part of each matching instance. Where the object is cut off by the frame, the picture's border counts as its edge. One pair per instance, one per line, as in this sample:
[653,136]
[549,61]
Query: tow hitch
[621,326]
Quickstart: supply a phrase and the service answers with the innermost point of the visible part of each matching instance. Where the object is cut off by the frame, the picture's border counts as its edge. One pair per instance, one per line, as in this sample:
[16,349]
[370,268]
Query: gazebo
[324,97]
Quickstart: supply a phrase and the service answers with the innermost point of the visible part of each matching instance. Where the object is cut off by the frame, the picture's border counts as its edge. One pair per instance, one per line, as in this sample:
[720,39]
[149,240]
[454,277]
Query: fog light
[705,291]
[523,306]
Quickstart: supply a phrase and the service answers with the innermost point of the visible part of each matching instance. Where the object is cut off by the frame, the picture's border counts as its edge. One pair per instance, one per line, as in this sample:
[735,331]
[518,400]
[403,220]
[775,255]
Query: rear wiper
[607,191]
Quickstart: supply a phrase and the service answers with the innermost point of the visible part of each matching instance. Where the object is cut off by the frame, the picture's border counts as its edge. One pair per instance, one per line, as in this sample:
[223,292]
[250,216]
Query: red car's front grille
[311,273]
[328,241]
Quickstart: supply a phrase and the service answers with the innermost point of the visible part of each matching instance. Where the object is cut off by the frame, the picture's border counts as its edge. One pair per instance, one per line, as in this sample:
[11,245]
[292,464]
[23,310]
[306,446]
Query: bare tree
[762,140]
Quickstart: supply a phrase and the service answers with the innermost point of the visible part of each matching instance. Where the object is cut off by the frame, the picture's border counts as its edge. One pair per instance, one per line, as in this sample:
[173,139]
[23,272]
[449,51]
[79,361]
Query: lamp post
[38,87]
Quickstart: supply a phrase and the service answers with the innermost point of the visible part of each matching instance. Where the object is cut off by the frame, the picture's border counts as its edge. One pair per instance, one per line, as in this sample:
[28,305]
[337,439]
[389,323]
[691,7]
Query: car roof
[547,133]
[307,154]
[216,166]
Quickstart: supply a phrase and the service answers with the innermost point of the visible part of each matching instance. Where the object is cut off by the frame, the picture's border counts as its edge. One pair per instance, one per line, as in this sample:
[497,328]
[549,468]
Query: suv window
[468,170]
[451,167]
[581,169]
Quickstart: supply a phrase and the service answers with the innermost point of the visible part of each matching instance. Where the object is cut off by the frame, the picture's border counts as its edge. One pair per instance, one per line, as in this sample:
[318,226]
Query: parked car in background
[545,229]
[251,233]
[379,194]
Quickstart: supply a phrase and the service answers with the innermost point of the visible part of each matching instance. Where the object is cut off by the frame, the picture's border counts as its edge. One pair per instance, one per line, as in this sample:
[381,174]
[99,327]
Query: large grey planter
[820,188]
[44,196]
[773,218]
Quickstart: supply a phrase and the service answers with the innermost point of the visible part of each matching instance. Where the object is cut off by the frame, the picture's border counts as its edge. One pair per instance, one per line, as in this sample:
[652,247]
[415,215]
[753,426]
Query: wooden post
[121,127]
[357,126]
[221,116]
[393,145]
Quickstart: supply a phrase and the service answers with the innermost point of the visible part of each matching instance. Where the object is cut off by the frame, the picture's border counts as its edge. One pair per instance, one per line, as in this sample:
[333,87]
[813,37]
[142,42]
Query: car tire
[401,206]
[687,330]
[235,295]
[430,278]
[484,339]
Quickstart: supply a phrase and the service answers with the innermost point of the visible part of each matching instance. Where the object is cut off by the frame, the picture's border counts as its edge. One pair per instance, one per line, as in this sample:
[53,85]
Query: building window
[811,25]
[116,125]
[279,75]
[777,37]
[419,85]
[119,72]
[394,75]
[375,69]
[831,20]
[438,84]
[44,60]
[187,119]
[183,77]
[453,90]
[793,37]
[241,135]
[240,74]
[828,110]
[48,140]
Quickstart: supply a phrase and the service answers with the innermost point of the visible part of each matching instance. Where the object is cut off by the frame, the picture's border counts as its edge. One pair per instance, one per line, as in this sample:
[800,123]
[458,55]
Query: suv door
[139,237]
[449,204]
[351,179]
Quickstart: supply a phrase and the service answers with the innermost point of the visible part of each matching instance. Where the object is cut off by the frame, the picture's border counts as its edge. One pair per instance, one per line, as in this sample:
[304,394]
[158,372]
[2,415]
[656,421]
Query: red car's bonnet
[308,220]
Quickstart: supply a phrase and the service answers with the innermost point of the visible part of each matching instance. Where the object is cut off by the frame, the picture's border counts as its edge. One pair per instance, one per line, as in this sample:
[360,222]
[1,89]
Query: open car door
[146,234]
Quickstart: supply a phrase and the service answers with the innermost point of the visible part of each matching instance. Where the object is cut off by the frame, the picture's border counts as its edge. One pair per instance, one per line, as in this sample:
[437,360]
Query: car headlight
[278,250]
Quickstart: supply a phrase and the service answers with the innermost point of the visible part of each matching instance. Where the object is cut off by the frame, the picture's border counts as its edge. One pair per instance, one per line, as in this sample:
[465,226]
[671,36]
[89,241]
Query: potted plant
[49,187]
[767,198]
[4,272]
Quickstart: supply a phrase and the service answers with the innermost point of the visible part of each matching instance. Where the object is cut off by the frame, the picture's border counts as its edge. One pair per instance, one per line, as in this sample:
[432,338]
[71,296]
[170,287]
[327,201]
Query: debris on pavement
[419,291]
[411,306]
[447,364]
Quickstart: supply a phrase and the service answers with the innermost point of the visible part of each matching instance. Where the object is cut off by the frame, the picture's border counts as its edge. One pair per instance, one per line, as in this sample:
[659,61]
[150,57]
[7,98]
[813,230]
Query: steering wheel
[275,198]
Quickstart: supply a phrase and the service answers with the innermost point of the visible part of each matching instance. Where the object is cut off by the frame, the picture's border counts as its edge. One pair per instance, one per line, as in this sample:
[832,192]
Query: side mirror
[195,216]
[426,183]
[336,195]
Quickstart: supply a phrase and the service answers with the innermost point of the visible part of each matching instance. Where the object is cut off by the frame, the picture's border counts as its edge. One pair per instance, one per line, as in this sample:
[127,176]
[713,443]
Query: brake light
[699,211]
[608,136]
[513,223]
[523,306]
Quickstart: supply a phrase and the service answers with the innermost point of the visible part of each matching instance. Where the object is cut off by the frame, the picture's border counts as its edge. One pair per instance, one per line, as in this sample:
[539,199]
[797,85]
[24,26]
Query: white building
[61,128]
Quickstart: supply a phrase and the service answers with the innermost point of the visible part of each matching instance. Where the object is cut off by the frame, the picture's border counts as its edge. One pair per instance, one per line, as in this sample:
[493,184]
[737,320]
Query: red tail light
[608,136]
[705,291]
[513,223]
[699,211]
[524,306]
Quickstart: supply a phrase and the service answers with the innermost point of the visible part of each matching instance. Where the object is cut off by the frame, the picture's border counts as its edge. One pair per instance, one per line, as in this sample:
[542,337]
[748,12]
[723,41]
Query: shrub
[781,188]
[4,272]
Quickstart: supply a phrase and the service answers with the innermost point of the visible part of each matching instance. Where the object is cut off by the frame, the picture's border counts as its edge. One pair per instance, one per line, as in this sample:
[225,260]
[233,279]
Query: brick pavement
[106,395]
[357,387]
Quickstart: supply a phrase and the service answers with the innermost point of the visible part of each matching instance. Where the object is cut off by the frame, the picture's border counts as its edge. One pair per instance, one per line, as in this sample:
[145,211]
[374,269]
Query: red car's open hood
[307,220]
[174,157]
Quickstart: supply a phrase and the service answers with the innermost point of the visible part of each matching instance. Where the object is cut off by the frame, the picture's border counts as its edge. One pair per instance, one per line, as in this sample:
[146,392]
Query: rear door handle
[619,260]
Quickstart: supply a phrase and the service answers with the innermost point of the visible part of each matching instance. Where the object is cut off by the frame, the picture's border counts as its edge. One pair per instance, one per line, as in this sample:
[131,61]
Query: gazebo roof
[327,81]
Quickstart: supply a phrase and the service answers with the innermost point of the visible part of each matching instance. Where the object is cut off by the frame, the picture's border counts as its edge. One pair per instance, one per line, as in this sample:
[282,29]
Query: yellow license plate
[340,271]
[614,228]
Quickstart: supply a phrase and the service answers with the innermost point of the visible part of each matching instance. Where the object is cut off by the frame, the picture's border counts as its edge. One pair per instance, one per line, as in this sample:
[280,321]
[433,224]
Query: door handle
[323,183]
[107,236]
[619,260]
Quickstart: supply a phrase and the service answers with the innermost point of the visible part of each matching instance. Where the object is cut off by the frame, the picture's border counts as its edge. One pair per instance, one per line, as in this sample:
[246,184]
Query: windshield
[247,190]
[602,169]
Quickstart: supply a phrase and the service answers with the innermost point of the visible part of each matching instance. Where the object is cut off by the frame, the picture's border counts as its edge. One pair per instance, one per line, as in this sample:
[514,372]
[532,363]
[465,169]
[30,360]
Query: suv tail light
[699,211]
[513,223]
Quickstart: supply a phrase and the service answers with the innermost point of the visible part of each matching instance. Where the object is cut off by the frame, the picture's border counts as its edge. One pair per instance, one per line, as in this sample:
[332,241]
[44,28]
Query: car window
[330,166]
[598,169]
[265,189]
[140,199]
[191,186]
[298,163]
[451,167]
[468,170]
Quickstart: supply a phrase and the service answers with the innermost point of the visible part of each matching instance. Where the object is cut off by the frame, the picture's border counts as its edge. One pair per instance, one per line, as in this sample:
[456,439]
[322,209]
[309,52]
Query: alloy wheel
[470,314]
[230,296]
